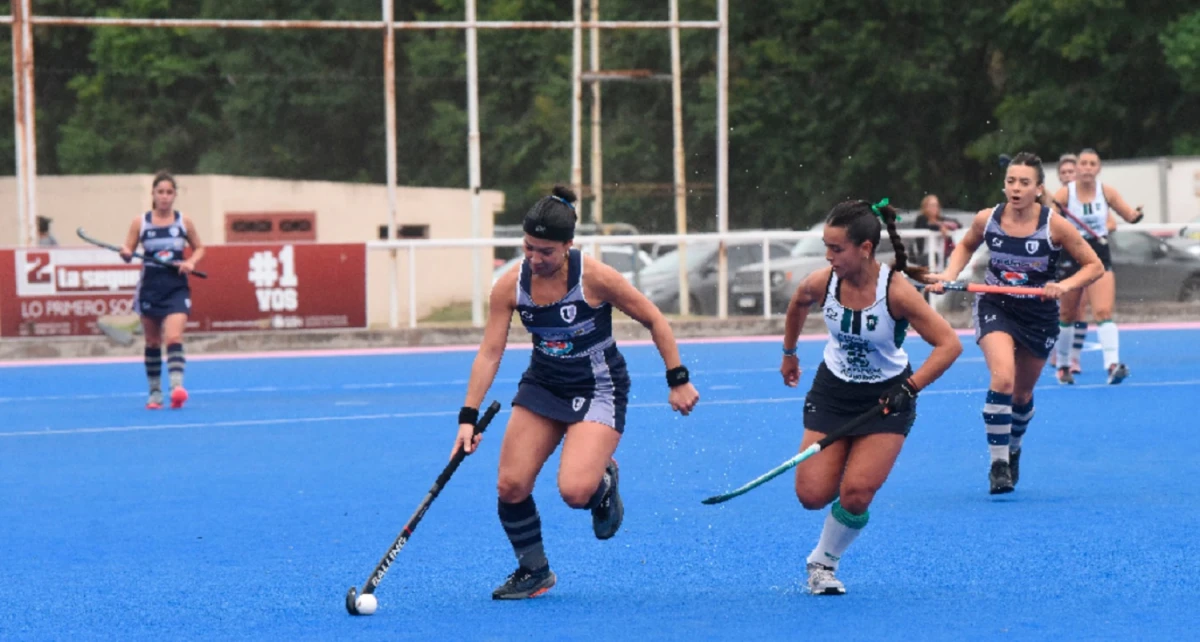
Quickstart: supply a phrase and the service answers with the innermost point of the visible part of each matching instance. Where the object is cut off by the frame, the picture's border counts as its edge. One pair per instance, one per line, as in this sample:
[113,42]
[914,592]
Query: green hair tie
[879,206]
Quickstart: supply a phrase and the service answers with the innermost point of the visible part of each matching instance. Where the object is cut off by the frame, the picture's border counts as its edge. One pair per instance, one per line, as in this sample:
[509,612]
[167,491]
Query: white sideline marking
[798,398]
[346,386]
[372,352]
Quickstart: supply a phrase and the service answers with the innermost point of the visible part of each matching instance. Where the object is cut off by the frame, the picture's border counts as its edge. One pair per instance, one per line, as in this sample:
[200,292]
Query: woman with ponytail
[1017,331]
[868,309]
[575,390]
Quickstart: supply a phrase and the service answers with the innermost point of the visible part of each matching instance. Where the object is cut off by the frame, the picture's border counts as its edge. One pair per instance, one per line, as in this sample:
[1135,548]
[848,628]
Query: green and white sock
[841,528]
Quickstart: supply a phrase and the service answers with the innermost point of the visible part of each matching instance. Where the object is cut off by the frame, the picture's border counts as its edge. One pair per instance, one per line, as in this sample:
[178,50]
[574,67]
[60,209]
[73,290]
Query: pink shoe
[178,396]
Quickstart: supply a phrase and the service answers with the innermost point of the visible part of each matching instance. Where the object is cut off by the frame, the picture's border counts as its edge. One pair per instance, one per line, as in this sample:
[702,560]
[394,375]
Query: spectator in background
[44,237]
[930,218]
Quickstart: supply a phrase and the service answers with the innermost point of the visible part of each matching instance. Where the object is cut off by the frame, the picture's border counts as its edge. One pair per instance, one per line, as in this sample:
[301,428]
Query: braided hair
[861,224]
[553,217]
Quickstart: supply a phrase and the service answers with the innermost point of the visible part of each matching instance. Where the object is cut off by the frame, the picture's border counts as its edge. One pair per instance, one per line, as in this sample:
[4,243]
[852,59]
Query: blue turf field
[248,514]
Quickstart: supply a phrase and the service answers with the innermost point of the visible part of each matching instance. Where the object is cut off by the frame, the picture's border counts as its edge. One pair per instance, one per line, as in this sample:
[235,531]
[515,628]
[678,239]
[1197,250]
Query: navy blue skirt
[1032,323]
[158,304]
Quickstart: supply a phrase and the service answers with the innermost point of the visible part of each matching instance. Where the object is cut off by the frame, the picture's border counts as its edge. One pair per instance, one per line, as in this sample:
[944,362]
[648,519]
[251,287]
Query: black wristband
[468,415]
[678,376]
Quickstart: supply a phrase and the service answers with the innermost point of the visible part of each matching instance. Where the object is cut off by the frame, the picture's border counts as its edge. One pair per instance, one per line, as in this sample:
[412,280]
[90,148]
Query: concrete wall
[346,213]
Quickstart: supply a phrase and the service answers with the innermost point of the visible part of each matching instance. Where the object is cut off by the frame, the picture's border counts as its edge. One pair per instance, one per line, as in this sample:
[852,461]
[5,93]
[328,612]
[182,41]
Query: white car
[629,260]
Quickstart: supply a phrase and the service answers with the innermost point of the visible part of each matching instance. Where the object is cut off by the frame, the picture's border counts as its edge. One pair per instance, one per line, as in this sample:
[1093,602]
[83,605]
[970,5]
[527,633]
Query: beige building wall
[346,213]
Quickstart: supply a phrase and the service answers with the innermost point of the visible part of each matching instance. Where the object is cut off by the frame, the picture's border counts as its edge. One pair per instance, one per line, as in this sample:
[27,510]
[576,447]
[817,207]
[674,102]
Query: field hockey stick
[120,329]
[983,288]
[151,258]
[874,413]
[381,569]
[1103,240]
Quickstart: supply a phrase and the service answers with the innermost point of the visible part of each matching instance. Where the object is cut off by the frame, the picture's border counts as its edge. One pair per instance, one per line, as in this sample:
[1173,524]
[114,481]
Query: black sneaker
[1000,477]
[524,583]
[608,514]
[1117,373]
[1014,466]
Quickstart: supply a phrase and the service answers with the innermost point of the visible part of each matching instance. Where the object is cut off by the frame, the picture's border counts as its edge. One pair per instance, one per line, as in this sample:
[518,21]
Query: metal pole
[357,25]
[1164,203]
[577,106]
[597,155]
[474,170]
[389,108]
[680,168]
[722,152]
[412,286]
[766,278]
[23,115]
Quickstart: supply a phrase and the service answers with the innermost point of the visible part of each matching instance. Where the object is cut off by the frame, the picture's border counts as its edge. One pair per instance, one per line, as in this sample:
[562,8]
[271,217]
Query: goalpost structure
[22,21]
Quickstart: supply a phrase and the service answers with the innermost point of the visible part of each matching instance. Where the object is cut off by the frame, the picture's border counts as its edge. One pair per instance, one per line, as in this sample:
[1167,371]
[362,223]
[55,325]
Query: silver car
[806,257]
[660,281]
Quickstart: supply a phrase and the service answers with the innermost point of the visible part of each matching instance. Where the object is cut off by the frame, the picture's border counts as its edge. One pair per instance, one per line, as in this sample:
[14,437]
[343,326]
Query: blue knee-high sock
[175,364]
[997,417]
[1021,415]
[523,526]
[154,367]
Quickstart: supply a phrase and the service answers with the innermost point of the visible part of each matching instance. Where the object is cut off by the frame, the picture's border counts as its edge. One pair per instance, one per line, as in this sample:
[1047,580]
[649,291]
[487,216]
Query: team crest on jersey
[577,403]
[1032,246]
[174,231]
[567,312]
[872,321]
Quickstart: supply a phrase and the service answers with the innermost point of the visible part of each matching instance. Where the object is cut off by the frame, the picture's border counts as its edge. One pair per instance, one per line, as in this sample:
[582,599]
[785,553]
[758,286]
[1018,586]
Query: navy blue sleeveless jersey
[1026,261]
[163,290]
[575,357]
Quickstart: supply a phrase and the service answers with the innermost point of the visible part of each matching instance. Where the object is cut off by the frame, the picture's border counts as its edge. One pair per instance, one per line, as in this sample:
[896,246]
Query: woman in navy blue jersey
[575,390]
[1017,332]
[164,299]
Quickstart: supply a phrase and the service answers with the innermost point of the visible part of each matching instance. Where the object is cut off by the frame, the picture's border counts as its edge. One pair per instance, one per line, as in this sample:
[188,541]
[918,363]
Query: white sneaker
[821,581]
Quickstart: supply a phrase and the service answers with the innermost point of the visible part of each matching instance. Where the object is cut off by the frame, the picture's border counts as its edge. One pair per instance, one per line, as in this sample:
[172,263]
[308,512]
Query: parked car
[629,260]
[806,257]
[660,281]
[1186,238]
[1148,269]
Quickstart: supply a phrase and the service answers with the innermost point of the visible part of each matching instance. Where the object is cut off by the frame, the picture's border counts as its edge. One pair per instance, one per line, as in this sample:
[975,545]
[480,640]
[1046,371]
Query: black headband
[539,229]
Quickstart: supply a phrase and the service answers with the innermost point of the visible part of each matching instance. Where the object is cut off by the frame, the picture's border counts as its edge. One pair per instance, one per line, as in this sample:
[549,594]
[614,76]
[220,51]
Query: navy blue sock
[175,364]
[1021,415]
[523,526]
[154,367]
[997,416]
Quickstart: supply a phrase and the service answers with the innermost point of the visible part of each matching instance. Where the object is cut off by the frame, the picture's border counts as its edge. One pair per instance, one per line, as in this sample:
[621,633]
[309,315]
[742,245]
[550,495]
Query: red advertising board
[270,286]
